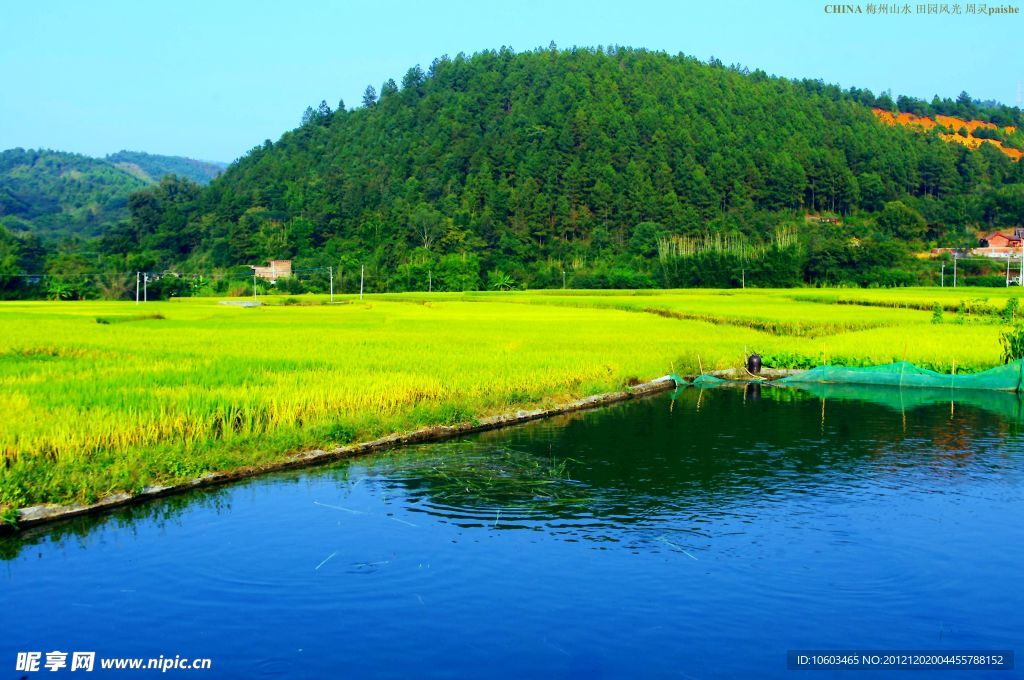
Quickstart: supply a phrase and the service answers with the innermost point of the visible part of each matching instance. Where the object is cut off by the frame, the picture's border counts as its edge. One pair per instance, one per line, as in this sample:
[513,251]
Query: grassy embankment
[99,397]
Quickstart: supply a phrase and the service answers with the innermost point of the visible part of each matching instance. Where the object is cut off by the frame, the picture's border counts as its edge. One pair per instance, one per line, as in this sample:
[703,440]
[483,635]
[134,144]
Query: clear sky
[212,78]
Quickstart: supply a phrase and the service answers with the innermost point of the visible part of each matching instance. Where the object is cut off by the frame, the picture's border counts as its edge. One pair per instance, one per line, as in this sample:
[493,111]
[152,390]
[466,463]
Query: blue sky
[211,79]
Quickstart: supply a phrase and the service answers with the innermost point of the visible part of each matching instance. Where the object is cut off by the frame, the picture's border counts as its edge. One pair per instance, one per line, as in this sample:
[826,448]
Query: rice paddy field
[99,397]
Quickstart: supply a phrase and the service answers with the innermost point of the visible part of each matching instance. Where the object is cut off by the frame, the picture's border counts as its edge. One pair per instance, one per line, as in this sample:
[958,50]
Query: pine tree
[369,96]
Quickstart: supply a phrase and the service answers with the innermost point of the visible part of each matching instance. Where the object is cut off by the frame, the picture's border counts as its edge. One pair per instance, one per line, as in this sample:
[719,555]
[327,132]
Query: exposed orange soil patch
[924,124]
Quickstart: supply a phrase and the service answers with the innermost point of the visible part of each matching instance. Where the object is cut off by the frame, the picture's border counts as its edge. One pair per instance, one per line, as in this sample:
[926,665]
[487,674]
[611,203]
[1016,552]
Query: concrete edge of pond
[41,514]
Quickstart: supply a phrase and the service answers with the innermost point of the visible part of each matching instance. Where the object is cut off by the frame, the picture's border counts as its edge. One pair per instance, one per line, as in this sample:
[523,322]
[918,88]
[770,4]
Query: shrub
[1012,340]
[1009,313]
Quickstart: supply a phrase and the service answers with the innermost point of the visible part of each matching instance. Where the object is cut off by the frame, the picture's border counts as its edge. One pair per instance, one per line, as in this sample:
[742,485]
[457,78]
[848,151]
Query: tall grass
[736,244]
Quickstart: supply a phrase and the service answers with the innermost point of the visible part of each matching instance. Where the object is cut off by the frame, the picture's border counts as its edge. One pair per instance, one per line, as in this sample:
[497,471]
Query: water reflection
[665,468]
[129,519]
[1007,406]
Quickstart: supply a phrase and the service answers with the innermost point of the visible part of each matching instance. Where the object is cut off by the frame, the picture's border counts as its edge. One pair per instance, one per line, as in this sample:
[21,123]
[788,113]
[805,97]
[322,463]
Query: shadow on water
[156,514]
[629,466]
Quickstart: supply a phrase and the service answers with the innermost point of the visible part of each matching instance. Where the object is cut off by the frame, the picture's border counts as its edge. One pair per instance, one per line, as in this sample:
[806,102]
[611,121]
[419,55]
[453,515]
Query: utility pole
[138,275]
[430,282]
[331,271]
[1020,282]
[145,287]
[942,277]
[743,278]
[1007,272]
[563,279]
[254,285]
[362,277]
[954,269]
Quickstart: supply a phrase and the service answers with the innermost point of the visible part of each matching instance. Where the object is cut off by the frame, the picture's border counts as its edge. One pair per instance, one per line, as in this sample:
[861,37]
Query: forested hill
[596,167]
[152,167]
[52,193]
[537,162]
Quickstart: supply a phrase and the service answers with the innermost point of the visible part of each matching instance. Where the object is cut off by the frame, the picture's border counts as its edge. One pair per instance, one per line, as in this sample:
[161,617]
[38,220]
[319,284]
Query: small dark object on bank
[754,363]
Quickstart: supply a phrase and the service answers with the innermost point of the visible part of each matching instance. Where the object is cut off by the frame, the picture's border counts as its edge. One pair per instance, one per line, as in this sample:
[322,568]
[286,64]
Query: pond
[699,534]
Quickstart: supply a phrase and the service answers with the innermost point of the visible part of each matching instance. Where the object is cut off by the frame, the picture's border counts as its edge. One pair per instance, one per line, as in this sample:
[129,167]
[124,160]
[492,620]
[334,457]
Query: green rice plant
[92,408]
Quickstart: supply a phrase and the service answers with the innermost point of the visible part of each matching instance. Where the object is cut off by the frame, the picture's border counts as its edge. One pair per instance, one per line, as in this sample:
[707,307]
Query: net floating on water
[1007,378]
[706,380]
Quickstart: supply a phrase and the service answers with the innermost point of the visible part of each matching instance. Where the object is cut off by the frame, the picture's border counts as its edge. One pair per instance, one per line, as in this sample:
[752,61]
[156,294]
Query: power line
[170,272]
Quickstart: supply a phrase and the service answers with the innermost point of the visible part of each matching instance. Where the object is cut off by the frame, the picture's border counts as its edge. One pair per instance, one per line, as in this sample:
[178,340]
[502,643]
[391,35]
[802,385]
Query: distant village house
[277,269]
[1001,244]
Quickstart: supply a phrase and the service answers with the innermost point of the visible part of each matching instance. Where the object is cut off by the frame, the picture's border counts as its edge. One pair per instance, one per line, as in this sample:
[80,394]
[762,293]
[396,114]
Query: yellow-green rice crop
[166,391]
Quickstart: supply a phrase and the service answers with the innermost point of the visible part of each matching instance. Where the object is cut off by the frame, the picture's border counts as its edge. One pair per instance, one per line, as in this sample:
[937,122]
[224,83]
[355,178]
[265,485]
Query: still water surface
[697,536]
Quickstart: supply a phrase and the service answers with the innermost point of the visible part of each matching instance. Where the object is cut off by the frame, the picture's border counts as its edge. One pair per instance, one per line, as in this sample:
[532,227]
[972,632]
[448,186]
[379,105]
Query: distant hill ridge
[151,167]
[53,194]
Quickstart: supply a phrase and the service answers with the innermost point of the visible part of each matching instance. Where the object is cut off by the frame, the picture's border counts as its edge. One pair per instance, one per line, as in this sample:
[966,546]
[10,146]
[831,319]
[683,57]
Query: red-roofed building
[999,239]
[1001,243]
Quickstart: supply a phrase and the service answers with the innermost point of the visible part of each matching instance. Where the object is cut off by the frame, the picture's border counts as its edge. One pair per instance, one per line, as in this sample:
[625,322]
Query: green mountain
[597,167]
[619,166]
[151,167]
[52,193]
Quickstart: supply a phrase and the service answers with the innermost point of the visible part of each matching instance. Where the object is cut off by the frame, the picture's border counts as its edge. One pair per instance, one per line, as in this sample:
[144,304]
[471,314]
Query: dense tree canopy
[546,156]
